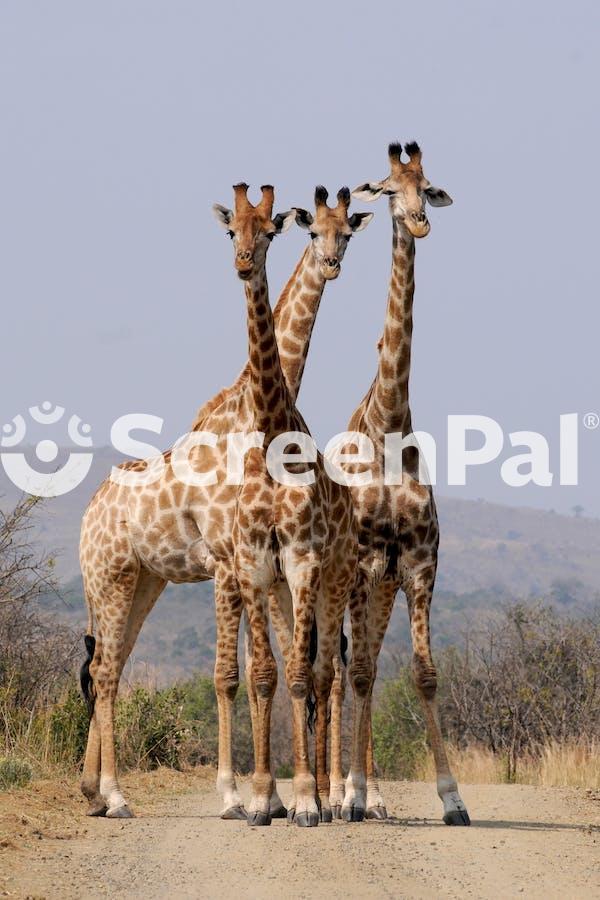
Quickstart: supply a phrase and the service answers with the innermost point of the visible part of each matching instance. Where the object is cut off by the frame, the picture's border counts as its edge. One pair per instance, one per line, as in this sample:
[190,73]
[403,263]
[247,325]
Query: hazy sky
[122,122]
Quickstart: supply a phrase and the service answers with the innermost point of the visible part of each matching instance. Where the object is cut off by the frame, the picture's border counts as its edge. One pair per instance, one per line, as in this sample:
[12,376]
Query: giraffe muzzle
[418,224]
[244,264]
[330,267]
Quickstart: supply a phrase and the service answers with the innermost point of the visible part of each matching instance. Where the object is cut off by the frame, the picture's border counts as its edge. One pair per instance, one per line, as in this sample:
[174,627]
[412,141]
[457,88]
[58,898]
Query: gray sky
[122,122]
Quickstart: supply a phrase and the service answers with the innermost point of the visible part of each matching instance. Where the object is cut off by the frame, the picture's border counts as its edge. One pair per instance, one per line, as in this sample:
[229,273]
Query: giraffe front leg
[375,803]
[336,778]
[304,586]
[228,606]
[328,616]
[262,669]
[264,675]
[419,590]
[276,808]
[281,614]
[361,678]
[380,609]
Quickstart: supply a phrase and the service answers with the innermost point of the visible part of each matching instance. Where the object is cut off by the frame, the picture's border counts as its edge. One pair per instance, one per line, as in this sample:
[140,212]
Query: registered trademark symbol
[591,420]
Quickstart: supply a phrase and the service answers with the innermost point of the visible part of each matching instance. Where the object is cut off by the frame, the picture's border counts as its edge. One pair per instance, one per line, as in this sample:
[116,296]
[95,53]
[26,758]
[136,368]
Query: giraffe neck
[270,398]
[388,408]
[295,315]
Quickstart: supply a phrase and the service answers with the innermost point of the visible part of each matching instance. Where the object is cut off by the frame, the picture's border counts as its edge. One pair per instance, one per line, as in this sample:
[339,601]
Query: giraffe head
[252,228]
[408,190]
[330,229]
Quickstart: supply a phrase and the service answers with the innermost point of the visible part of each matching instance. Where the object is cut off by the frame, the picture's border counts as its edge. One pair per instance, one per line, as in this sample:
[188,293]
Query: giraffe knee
[298,679]
[323,681]
[361,676]
[264,677]
[425,676]
[227,682]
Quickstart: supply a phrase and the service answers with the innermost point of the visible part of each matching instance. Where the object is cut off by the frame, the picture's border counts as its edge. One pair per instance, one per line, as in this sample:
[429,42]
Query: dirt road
[524,841]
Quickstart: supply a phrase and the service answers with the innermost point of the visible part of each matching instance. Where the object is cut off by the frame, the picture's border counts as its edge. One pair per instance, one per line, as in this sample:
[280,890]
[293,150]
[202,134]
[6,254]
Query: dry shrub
[520,701]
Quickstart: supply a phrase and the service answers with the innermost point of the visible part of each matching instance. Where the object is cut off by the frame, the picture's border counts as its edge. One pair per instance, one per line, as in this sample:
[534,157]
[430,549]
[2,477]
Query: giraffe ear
[358,221]
[222,215]
[437,197]
[370,190]
[282,221]
[303,218]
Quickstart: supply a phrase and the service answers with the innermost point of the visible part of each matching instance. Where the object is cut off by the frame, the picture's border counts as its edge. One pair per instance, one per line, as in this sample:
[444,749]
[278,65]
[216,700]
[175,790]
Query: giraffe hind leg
[90,783]
[419,589]
[133,596]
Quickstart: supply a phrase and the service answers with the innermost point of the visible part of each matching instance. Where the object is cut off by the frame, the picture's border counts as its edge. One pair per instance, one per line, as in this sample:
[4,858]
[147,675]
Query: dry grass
[558,765]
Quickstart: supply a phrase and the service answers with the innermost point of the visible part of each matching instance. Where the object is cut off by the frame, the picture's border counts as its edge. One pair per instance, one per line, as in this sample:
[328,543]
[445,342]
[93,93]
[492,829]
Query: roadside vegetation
[519,696]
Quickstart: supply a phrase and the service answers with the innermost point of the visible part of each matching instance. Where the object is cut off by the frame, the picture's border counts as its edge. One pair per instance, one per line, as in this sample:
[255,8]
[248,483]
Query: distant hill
[488,554]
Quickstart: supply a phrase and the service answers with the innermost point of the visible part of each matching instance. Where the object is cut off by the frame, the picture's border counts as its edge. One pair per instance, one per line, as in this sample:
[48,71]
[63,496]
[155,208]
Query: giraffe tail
[311,701]
[85,678]
[343,646]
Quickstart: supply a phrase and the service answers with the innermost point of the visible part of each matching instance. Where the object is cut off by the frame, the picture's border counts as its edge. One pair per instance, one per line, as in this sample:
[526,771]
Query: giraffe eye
[313,235]
[270,235]
[230,233]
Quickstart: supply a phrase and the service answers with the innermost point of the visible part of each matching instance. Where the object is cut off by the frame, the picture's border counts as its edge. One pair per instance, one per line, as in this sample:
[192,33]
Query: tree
[36,652]
[25,572]
[528,679]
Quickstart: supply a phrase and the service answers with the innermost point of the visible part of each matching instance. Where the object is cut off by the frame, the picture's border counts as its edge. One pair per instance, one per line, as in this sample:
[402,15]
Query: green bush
[13,772]
[69,727]
[398,728]
[201,713]
[151,730]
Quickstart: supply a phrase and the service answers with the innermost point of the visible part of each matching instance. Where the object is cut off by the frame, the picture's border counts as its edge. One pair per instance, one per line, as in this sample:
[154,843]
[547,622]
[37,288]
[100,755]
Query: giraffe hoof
[307,819]
[235,812]
[121,812]
[336,810]
[280,812]
[291,815]
[259,818]
[457,817]
[325,815]
[377,812]
[97,808]
[353,813]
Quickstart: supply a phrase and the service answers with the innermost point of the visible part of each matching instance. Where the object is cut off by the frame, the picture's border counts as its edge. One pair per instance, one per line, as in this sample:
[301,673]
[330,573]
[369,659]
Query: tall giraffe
[330,230]
[398,528]
[295,530]
[136,538]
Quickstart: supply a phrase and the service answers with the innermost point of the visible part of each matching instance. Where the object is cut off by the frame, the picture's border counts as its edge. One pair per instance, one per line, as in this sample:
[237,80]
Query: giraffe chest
[397,527]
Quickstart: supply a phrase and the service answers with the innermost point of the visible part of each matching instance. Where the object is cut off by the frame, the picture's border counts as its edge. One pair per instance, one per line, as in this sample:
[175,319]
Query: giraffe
[136,538]
[293,533]
[330,230]
[397,523]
